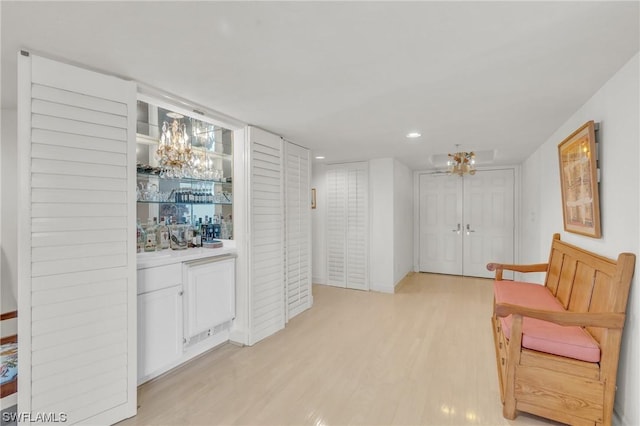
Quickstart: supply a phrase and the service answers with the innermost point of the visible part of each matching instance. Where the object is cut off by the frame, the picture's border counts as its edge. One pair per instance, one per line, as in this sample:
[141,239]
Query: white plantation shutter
[357,227]
[298,229]
[347,225]
[336,227]
[77,305]
[266,239]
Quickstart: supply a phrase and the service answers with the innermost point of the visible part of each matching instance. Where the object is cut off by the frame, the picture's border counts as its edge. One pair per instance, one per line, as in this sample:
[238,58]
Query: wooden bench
[557,345]
[8,351]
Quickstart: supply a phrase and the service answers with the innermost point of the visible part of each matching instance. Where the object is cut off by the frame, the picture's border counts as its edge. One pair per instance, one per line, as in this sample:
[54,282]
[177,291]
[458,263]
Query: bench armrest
[580,319]
[499,267]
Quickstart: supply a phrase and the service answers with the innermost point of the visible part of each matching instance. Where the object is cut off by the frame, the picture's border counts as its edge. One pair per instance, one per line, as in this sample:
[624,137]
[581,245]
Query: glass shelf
[183,180]
[185,204]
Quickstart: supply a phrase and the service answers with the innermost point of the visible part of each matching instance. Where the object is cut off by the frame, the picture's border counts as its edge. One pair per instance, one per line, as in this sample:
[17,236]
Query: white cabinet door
[159,330]
[210,295]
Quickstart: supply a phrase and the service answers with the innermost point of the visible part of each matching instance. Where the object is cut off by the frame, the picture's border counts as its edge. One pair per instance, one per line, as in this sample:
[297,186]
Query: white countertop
[168,256]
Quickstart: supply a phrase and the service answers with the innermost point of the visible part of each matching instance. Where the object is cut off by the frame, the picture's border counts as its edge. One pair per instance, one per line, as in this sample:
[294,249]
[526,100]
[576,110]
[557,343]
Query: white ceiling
[350,79]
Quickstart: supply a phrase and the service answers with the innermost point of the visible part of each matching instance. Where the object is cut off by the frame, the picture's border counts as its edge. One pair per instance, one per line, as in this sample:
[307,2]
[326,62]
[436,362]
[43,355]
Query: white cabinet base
[193,351]
[184,310]
[159,330]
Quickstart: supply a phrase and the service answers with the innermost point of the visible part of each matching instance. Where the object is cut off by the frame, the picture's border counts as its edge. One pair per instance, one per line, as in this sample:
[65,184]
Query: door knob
[456,230]
[469,230]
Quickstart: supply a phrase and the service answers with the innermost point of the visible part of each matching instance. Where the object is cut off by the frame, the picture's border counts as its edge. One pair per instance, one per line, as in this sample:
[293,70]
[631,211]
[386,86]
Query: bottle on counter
[197,237]
[210,230]
[217,227]
[188,233]
[203,230]
[177,235]
[140,237]
[162,234]
[151,239]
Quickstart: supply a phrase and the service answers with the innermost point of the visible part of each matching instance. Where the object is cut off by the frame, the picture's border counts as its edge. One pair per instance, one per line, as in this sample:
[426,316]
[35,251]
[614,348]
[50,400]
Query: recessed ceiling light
[413,135]
[319,157]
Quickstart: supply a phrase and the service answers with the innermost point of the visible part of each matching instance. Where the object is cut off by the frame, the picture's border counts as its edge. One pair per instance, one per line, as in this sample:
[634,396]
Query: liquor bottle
[197,238]
[177,234]
[189,235]
[203,230]
[150,241]
[209,230]
[162,233]
[217,226]
[140,237]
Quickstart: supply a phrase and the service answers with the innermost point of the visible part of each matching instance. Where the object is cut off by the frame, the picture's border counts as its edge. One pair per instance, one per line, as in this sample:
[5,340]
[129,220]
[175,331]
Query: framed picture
[578,179]
[313,198]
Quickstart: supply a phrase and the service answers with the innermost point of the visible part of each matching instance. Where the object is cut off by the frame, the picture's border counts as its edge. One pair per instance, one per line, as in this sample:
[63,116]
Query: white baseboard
[318,280]
[619,419]
[382,288]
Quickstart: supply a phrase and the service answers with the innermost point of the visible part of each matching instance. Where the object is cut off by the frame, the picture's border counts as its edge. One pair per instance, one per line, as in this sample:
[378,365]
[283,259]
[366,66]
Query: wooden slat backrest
[567,278]
[583,281]
[586,282]
[555,266]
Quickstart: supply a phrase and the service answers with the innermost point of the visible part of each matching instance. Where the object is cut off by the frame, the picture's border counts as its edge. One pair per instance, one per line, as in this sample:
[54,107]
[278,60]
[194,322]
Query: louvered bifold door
[76,230]
[357,226]
[298,229]
[336,227]
[347,225]
[266,235]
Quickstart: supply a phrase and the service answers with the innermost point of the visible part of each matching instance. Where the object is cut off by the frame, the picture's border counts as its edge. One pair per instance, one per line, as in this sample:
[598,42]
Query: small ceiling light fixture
[319,157]
[413,135]
[462,163]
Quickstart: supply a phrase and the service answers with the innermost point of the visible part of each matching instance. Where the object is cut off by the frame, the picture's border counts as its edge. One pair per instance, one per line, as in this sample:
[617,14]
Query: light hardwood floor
[422,356]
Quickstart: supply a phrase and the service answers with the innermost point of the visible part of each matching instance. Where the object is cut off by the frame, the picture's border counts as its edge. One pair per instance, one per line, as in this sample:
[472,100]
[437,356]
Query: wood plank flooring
[422,356]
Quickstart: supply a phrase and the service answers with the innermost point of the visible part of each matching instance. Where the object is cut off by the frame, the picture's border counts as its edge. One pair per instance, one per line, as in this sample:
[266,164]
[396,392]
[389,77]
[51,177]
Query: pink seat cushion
[572,342]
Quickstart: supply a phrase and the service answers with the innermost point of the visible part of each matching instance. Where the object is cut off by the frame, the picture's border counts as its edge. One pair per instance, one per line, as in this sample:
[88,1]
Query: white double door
[466,222]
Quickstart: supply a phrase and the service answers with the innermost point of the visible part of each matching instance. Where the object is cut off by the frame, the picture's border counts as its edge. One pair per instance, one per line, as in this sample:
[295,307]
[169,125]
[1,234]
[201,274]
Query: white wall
[8,224]
[381,225]
[616,107]
[402,221]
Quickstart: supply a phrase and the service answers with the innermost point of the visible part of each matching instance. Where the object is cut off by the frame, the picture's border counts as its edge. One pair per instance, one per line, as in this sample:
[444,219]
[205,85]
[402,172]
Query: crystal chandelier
[174,153]
[462,163]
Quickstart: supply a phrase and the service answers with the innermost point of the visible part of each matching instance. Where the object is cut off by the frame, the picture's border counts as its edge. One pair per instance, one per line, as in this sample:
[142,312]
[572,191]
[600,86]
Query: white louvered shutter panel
[347,225]
[77,304]
[357,227]
[266,258]
[298,229]
[336,226]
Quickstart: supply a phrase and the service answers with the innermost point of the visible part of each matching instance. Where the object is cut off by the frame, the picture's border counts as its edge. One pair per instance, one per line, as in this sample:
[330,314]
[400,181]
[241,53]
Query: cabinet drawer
[159,277]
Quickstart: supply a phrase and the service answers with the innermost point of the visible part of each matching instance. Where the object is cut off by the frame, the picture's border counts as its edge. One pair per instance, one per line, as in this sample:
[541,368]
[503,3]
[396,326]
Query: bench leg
[513,359]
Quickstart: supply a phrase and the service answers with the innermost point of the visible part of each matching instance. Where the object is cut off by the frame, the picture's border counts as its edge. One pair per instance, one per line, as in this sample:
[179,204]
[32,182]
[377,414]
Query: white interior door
[488,221]
[466,222]
[441,224]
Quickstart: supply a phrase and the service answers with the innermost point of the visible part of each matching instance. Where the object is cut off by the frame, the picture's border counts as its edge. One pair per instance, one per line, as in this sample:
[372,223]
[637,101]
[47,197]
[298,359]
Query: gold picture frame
[313,198]
[579,182]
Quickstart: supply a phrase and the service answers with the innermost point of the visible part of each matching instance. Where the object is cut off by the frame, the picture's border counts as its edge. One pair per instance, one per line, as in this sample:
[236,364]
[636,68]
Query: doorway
[466,222]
